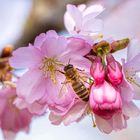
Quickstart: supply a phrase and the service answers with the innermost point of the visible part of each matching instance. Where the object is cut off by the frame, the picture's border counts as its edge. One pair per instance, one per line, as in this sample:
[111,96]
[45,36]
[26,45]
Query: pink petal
[75,14]
[81,63]
[9,135]
[42,37]
[96,94]
[110,93]
[34,108]
[130,109]
[136,92]
[103,125]
[92,25]
[93,11]
[51,33]
[126,91]
[133,49]
[75,113]
[69,22]
[82,7]
[79,46]
[39,40]
[55,119]
[31,86]
[119,121]
[53,47]
[133,64]
[25,57]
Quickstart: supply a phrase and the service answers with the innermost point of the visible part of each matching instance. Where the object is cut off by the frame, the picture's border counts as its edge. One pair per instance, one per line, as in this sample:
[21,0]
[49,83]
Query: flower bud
[114,68]
[97,71]
[105,100]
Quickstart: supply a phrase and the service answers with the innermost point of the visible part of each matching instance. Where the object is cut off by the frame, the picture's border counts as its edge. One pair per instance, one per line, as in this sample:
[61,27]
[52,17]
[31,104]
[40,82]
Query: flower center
[131,77]
[49,67]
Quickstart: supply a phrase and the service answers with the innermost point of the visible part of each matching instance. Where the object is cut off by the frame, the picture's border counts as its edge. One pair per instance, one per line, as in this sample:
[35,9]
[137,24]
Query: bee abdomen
[81,91]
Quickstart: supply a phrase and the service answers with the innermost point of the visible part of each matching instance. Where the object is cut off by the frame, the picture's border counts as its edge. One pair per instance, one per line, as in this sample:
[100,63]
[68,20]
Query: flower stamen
[49,67]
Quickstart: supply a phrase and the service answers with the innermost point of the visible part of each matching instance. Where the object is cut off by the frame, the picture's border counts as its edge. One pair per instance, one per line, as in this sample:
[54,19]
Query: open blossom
[109,101]
[82,20]
[45,61]
[12,120]
[131,68]
[105,100]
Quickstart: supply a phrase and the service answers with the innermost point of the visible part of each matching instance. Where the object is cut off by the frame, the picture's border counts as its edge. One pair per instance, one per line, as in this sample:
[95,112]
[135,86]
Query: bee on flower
[88,77]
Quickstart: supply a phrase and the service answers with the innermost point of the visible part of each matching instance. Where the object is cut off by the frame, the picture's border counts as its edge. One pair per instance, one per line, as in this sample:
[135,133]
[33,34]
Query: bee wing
[85,77]
[63,88]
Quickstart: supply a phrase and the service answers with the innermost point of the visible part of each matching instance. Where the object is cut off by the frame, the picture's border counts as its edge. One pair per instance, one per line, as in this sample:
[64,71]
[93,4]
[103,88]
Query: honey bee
[78,86]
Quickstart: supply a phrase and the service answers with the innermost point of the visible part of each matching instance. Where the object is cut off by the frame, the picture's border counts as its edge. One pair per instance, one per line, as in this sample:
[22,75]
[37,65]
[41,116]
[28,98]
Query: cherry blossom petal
[137,92]
[53,47]
[74,114]
[69,22]
[92,25]
[52,33]
[78,110]
[55,119]
[81,7]
[81,63]
[130,109]
[39,40]
[26,57]
[79,45]
[103,125]
[34,108]
[119,121]
[127,93]
[31,86]
[133,49]
[75,14]
[133,64]
[93,10]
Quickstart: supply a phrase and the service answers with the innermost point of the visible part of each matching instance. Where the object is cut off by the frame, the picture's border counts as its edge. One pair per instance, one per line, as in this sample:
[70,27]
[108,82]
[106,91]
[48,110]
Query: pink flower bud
[115,75]
[105,100]
[97,71]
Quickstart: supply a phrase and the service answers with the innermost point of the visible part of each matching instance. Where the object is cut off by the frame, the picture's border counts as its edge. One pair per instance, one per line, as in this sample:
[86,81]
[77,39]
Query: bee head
[69,66]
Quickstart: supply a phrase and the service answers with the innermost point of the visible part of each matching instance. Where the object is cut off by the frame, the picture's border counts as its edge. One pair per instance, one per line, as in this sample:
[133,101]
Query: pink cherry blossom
[112,110]
[82,20]
[111,100]
[12,120]
[105,100]
[131,67]
[45,60]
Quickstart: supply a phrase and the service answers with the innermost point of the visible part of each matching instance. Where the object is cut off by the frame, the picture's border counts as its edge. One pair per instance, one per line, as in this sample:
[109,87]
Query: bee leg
[65,82]
[80,69]
[60,71]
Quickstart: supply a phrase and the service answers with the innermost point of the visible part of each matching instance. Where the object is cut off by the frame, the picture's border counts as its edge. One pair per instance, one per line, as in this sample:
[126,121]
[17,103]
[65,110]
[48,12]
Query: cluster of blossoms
[72,77]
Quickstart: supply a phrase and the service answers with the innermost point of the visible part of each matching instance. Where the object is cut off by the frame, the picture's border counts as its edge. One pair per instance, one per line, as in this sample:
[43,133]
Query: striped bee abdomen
[81,90]
[77,85]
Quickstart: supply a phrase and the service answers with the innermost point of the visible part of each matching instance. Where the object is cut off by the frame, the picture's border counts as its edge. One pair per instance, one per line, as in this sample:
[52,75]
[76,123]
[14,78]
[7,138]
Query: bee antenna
[69,61]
